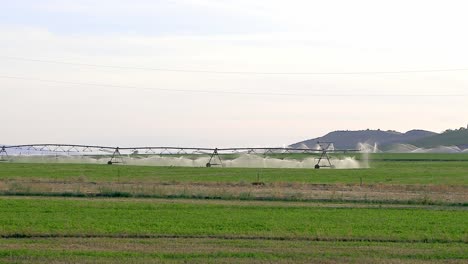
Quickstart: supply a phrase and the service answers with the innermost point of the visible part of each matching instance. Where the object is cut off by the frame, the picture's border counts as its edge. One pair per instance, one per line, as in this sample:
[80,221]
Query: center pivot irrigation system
[115,153]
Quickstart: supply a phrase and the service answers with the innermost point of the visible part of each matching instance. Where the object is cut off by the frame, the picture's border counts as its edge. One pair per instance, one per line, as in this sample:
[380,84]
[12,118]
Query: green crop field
[395,172]
[59,217]
[404,208]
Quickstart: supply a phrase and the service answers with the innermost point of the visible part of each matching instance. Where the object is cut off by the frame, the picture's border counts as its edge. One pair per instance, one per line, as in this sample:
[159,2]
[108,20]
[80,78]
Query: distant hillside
[449,138]
[350,139]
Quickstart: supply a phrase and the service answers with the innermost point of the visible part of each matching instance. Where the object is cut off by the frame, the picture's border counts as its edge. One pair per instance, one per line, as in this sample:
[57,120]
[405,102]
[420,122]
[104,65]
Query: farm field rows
[240,231]
[380,172]
[400,210]
[216,250]
[97,217]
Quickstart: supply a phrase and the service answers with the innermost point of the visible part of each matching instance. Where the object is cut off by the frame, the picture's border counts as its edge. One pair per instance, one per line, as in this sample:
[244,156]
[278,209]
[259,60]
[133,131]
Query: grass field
[215,250]
[394,172]
[58,217]
[403,209]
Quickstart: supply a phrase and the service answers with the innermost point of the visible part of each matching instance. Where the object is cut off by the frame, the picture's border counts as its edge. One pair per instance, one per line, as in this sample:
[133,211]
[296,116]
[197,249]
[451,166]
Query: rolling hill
[457,138]
[345,139]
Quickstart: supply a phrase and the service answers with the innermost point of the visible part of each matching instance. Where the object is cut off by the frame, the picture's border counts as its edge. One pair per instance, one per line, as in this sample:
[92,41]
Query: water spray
[174,156]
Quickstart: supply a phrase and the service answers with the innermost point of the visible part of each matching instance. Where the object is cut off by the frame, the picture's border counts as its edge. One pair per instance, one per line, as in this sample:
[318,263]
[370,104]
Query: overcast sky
[132,103]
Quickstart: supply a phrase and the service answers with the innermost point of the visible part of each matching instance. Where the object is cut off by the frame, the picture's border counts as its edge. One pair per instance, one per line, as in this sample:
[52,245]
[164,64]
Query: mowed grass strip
[219,250]
[380,172]
[74,217]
